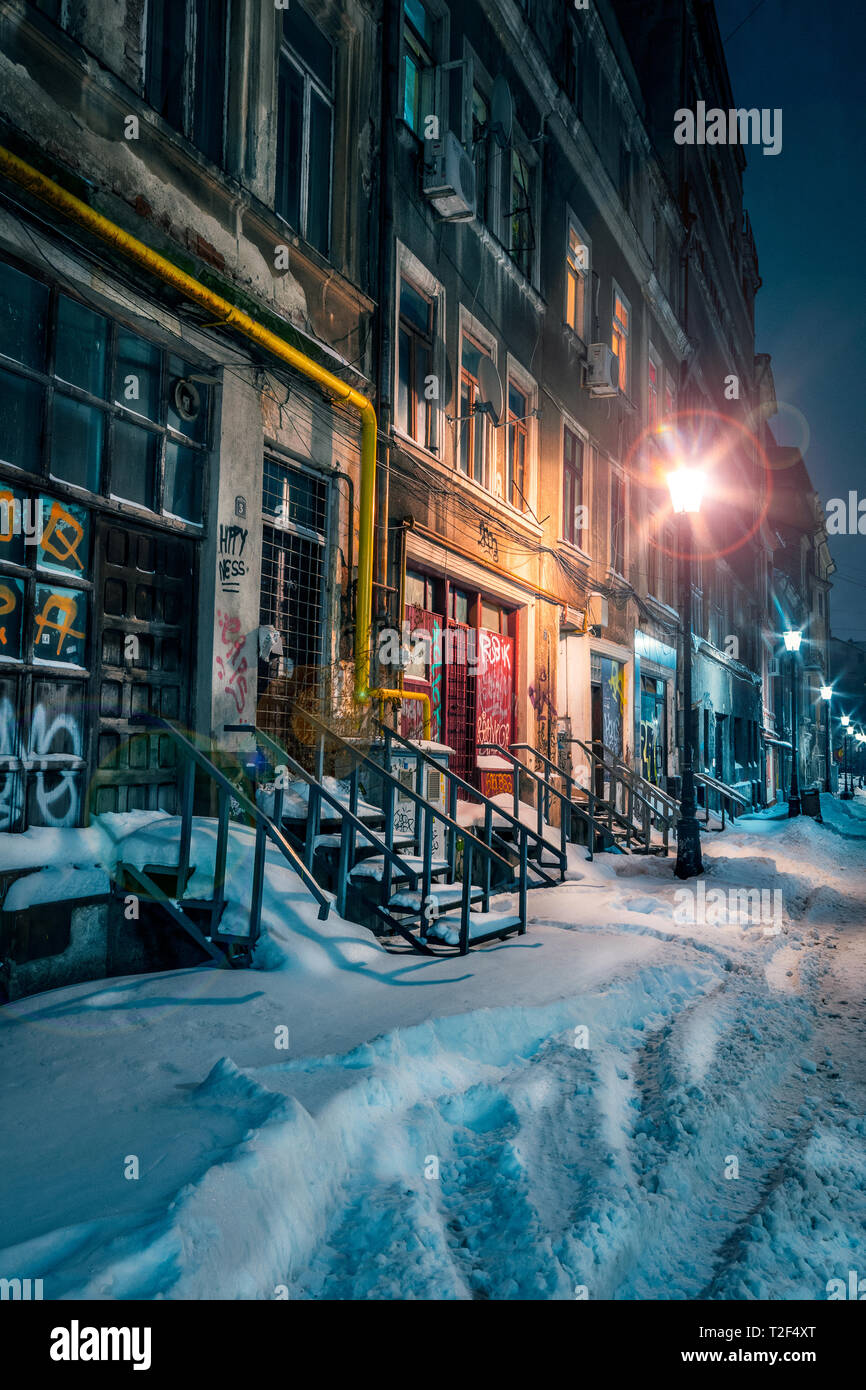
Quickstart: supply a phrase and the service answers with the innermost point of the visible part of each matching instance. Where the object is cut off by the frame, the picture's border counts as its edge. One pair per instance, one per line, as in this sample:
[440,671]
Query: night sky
[808,211]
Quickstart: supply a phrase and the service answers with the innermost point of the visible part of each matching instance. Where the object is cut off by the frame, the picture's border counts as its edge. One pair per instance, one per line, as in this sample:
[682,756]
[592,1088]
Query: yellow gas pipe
[18,171]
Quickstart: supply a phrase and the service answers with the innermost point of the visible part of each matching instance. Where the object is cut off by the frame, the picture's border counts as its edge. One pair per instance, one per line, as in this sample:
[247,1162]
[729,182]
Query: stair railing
[726,795]
[545,789]
[640,804]
[491,807]
[192,758]
[391,785]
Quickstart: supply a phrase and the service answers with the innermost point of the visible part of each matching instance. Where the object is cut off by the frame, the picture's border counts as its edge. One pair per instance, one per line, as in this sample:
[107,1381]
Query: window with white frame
[620,328]
[305,114]
[416,376]
[576,278]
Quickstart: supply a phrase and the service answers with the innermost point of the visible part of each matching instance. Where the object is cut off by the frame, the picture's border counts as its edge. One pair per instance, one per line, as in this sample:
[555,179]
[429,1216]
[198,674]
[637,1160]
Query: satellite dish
[490,388]
[501,112]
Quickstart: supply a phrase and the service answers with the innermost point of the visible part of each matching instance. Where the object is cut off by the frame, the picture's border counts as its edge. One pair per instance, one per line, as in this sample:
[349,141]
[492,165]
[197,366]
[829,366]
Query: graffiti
[495,688]
[11,609]
[232,568]
[487,540]
[232,666]
[497,783]
[57,787]
[436,681]
[58,610]
[64,533]
[612,702]
[650,753]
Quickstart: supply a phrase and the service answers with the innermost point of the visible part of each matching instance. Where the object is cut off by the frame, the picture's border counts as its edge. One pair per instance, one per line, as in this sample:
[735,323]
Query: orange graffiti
[65,606]
[55,535]
[8,498]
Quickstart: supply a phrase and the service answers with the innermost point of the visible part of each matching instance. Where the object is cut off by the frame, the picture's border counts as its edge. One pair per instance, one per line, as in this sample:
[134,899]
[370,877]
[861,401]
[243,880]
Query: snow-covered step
[445,895]
[361,841]
[482,925]
[373,868]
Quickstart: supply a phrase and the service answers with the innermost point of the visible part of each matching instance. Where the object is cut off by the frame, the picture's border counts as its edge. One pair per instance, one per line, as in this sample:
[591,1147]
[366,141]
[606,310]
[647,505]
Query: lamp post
[686,486]
[793,638]
[826,696]
[845,795]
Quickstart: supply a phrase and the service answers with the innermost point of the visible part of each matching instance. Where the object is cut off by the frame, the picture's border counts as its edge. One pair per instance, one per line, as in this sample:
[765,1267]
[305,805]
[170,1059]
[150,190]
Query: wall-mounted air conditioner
[597,609]
[449,178]
[602,370]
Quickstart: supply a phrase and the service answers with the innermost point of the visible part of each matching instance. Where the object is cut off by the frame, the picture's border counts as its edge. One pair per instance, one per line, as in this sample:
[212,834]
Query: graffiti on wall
[612,702]
[231,664]
[495,688]
[232,567]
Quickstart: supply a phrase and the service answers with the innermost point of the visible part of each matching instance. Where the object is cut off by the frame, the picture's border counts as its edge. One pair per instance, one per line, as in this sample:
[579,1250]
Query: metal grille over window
[294,539]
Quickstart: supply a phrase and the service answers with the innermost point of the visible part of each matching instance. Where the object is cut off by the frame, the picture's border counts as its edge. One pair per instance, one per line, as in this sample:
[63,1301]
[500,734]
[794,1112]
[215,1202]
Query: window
[419,41]
[474,423]
[481,154]
[518,410]
[576,272]
[494,618]
[519,230]
[670,396]
[625,174]
[459,606]
[572,76]
[415,413]
[617,522]
[619,337]
[186,69]
[294,544]
[572,486]
[305,102]
[111,417]
[654,376]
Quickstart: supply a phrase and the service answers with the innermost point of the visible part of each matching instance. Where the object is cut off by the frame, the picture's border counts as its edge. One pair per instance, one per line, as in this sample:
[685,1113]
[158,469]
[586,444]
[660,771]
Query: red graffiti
[233,666]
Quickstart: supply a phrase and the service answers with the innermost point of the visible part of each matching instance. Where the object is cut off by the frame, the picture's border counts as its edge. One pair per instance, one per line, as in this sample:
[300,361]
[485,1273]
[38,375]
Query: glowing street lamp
[826,696]
[686,486]
[793,637]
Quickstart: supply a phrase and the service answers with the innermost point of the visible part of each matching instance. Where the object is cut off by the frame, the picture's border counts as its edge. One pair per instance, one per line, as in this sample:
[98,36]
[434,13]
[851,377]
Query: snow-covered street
[625,1103]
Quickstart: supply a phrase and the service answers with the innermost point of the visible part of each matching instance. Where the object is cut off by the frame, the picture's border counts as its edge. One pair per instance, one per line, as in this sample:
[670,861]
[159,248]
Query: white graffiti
[53,741]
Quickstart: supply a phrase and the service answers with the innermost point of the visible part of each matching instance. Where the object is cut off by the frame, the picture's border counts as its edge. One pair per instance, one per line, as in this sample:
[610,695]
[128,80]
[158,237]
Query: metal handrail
[264,829]
[611,760]
[724,793]
[393,784]
[457,781]
[569,806]
[348,819]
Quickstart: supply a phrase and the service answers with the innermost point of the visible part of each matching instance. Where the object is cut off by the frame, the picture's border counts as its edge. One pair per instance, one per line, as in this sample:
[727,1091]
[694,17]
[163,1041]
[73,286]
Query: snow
[54,886]
[621,1100]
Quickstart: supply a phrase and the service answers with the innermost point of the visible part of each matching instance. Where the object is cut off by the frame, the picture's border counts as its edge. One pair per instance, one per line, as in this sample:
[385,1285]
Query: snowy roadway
[621,1104]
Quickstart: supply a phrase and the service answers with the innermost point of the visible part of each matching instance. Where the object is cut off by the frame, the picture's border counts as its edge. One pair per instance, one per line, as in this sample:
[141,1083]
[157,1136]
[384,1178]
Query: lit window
[474,423]
[576,270]
[619,339]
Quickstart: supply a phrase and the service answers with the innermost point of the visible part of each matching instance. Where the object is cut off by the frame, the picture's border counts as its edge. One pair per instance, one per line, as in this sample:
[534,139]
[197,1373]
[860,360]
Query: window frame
[439,16]
[411,269]
[621,332]
[311,85]
[578,475]
[188,73]
[618,486]
[572,225]
[519,150]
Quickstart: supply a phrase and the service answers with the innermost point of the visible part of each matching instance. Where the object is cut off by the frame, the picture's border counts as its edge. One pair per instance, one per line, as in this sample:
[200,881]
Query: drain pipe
[39,186]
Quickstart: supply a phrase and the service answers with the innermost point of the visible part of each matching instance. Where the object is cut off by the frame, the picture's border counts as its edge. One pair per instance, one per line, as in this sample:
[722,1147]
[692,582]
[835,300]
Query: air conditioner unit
[571,619]
[602,370]
[597,611]
[449,178]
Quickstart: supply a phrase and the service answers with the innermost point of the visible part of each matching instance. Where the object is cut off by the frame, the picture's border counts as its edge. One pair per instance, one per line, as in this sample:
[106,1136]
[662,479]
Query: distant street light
[793,638]
[826,696]
[686,486]
[845,794]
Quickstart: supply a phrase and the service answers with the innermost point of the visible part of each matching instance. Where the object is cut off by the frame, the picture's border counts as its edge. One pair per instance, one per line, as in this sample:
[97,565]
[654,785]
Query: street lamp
[686,486]
[793,638]
[845,794]
[827,695]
